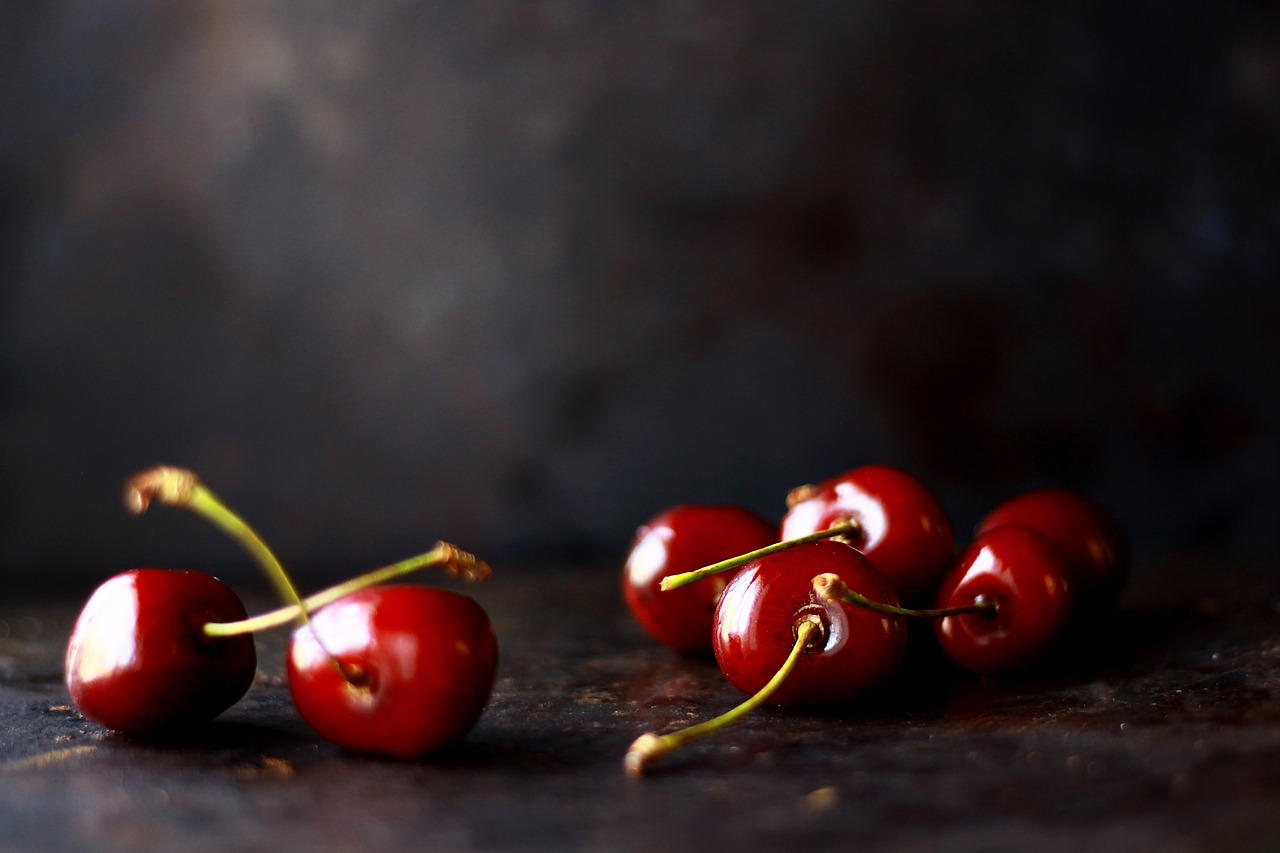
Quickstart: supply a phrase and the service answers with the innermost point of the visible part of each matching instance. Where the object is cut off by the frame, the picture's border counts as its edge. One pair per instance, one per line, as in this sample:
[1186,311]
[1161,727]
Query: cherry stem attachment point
[832,588]
[451,558]
[649,747]
[846,527]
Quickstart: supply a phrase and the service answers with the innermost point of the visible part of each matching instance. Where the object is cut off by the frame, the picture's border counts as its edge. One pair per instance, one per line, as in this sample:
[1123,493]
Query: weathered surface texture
[1166,737]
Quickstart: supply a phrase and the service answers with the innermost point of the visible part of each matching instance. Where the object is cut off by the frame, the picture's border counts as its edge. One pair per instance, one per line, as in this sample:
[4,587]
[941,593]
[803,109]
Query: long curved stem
[452,558]
[650,746]
[832,588]
[182,488]
[843,528]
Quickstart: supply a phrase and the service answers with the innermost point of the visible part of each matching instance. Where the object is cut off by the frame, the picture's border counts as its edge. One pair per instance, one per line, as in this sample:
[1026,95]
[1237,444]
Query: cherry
[1028,586]
[1003,604]
[678,540]
[1087,535]
[899,525]
[758,614]
[138,661]
[410,667]
[778,638]
[414,668]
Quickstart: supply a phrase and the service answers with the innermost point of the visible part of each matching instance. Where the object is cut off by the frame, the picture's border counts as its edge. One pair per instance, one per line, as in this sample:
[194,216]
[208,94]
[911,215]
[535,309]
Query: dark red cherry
[758,616]
[679,540]
[138,662]
[904,529]
[1086,534]
[414,668]
[1028,582]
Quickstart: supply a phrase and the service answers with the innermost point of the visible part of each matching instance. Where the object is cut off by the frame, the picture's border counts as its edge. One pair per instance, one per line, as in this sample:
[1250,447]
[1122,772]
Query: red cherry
[781,636]
[138,662]
[394,669]
[1088,537]
[1028,582]
[414,668]
[682,539]
[758,616]
[904,529]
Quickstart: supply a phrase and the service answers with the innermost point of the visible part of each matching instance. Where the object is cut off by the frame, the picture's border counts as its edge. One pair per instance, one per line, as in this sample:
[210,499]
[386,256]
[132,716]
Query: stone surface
[1163,736]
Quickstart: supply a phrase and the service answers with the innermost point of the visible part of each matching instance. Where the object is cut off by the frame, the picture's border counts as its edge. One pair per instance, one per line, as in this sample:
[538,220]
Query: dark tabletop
[1163,733]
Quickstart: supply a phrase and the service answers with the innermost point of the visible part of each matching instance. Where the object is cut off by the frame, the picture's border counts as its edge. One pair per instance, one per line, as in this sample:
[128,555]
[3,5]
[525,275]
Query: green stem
[832,588]
[845,527]
[182,488]
[650,746]
[442,553]
[207,504]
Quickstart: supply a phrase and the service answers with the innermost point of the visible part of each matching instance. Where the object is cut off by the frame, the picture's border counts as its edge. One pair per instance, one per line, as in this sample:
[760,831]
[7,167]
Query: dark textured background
[522,274]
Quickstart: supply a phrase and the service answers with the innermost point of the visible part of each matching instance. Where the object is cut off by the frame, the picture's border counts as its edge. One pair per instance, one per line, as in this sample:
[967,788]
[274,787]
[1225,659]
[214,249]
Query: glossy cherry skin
[1030,584]
[423,658]
[1091,540]
[137,660]
[755,626]
[905,531]
[683,539]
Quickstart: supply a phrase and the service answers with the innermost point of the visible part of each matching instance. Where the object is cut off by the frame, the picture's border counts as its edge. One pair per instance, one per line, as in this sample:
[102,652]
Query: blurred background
[522,274]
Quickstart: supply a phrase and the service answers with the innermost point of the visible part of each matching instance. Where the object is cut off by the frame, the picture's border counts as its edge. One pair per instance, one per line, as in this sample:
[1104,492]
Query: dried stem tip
[830,587]
[461,563]
[800,494]
[169,485]
[646,748]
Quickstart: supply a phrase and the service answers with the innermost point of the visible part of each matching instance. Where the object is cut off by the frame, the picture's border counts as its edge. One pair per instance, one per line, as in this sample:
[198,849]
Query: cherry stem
[450,557]
[182,488]
[649,747]
[832,588]
[844,527]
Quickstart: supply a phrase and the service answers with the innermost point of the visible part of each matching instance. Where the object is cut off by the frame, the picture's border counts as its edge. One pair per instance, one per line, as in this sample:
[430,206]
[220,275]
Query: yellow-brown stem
[845,527]
[649,746]
[801,493]
[183,488]
[832,588]
[449,557]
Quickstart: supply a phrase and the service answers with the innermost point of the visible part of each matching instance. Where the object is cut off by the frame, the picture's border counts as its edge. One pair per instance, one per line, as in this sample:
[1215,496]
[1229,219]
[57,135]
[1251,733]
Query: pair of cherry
[386,668]
[807,620]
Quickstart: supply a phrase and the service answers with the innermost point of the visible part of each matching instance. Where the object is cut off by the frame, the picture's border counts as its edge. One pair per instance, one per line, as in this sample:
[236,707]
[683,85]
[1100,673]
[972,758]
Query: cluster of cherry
[373,666]
[814,614]
[811,615]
